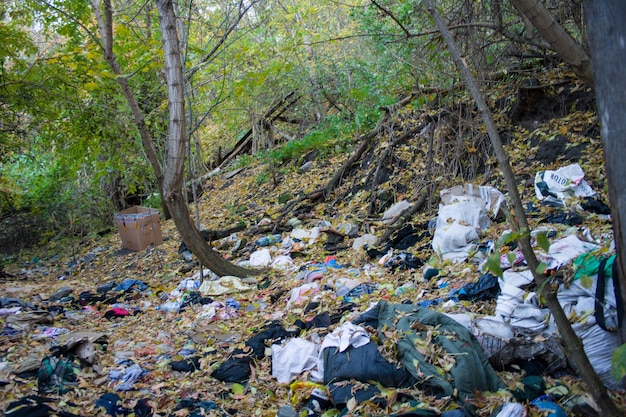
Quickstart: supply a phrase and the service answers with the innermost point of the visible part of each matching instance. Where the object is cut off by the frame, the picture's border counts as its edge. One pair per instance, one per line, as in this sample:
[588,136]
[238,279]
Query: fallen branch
[271,115]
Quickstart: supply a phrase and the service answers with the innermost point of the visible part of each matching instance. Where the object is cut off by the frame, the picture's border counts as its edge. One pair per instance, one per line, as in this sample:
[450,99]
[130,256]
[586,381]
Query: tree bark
[173,194]
[607,33]
[557,37]
[104,18]
[573,344]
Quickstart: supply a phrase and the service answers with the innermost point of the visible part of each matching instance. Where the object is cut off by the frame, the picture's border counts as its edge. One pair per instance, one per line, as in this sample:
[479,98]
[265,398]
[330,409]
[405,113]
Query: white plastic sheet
[458,227]
[563,251]
[562,184]
[296,356]
[224,285]
[260,258]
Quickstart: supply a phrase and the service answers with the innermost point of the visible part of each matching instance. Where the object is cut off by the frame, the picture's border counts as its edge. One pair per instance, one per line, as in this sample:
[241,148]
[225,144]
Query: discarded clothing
[342,393]
[131,284]
[224,285]
[321,321]
[302,293]
[568,218]
[594,205]
[56,375]
[469,370]
[404,261]
[487,288]
[127,377]
[34,406]
[407,237]
[112,405]
[361,289]
[10,331]
[199,408]
[50,332]
[116,312]
[60,294]
[235,369]
[103,289]
[14,302]
[364,363]
[274,331]
[345,336]
[186,365]
[86,297]
[195,297]
[296,356]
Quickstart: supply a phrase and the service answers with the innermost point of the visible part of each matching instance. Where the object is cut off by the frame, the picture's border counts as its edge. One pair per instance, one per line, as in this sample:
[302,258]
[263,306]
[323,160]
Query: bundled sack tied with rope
[594,299]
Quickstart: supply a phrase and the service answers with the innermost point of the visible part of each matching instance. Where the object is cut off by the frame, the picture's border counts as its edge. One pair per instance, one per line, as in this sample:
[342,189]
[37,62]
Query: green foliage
[47,191]
[154,200]
[325,138]
[618,363]
[542,241]
[262,178]
[493,264]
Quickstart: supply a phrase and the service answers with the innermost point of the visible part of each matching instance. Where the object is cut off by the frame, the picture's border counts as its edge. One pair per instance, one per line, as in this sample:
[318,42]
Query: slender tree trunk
[104,17]
[573,345]
[173,194]
[557,37]
[170,177]
[607,38]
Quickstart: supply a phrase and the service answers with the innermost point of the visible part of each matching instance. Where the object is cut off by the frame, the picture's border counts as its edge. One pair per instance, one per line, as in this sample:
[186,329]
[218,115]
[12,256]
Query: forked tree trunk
[173,194]
[171,175]
[572,342]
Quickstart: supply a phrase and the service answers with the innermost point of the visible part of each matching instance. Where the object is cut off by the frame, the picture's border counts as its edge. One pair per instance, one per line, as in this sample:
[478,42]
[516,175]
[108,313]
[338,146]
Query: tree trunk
[104,17]
[607,30]
[557,37]
[170,177]
[173,194]
[573,345]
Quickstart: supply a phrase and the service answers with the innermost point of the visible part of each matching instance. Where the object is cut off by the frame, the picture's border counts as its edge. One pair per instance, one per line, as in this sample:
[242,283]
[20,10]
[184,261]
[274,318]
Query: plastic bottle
[405,288]
[286,411]
[269,240]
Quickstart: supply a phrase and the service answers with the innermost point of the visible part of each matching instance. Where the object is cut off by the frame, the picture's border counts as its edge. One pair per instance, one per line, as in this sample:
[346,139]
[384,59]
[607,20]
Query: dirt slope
[546,127]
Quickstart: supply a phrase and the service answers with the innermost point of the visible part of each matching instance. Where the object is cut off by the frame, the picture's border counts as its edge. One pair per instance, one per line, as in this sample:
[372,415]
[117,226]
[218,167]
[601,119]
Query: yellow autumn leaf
[351,404]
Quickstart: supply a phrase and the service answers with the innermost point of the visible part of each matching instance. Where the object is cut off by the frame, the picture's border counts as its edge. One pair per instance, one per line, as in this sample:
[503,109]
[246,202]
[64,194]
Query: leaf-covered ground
[543,129]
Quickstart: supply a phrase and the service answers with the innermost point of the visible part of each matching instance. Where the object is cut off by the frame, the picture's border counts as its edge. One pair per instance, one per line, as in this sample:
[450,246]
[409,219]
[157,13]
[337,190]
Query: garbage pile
[398,333]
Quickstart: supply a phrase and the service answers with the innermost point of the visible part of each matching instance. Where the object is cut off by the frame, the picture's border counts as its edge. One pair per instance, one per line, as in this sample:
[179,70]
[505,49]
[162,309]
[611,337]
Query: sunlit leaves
[618,363]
